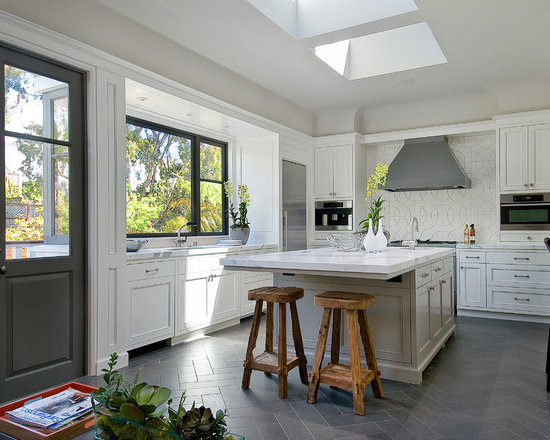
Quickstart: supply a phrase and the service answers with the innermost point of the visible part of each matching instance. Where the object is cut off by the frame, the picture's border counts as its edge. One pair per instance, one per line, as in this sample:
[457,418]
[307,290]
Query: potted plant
[240,229]
[374,182]
[127,410]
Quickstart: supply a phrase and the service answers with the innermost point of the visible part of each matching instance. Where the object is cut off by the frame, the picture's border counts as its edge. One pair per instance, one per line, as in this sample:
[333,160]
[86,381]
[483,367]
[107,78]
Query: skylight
[395,50]
[308,18]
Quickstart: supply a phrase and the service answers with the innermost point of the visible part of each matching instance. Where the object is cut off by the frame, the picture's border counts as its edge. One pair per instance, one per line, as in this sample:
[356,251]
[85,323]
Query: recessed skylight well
[308,18]
[394,50]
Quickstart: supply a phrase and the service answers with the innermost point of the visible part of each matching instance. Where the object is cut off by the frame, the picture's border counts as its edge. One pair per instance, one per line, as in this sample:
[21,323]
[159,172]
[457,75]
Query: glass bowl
[346,242]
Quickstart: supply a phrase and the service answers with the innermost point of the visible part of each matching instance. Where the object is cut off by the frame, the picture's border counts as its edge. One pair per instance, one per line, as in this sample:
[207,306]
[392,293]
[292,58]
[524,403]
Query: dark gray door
[42,234]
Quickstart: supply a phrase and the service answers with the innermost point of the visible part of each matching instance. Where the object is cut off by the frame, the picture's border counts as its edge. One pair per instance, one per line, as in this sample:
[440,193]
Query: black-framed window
[173,178]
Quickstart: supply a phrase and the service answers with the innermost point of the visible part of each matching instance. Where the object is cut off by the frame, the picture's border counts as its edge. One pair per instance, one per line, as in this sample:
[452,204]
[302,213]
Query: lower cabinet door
[472,286]
[192,303]
[151,305]
[222,297]
[423,321]
[249,281]
[447,306]
[435,309]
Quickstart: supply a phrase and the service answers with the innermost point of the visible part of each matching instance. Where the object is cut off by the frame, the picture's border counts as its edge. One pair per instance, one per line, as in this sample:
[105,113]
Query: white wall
[442,214]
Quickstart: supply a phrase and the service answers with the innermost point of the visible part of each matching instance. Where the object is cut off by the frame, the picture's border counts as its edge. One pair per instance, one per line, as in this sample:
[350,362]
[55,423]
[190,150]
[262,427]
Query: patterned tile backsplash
[442,214]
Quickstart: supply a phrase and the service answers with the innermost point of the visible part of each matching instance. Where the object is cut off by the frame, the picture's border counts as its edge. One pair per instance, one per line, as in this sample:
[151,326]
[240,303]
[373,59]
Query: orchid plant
[238,215]
[374,182]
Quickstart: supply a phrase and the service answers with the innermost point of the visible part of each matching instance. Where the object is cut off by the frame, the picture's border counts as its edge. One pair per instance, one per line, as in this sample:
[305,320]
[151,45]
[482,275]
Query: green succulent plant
[128,400]
[197,423]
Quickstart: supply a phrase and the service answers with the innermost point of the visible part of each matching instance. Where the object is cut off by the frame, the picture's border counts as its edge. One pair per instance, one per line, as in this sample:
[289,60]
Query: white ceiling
[488,44]
[498,54]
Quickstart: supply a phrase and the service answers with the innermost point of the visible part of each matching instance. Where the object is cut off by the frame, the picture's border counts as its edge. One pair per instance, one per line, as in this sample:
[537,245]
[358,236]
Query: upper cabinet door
[539,157]
[323,173]
[513,159]
[343,171]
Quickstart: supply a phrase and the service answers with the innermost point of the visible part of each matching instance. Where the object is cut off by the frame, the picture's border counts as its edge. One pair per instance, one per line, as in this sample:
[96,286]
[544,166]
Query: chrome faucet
[412,242]
[180,240]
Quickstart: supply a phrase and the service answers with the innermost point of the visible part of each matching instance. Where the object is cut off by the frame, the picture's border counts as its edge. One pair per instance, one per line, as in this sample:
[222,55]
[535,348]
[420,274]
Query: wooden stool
[351,377]
[270,361]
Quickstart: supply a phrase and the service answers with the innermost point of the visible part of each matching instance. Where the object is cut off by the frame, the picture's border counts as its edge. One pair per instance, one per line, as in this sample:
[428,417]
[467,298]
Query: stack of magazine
[53,412]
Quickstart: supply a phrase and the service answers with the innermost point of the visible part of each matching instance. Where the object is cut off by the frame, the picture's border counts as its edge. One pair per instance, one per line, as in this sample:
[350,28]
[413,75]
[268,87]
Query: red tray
[21,432]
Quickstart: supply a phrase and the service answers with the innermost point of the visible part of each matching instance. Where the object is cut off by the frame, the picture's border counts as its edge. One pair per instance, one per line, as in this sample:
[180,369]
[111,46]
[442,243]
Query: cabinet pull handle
[443,282]
[521,258]
[431,288]
[476,258]
[156,269]
[531,184]
[521,276]
[521,299]
[437,269]
[424,275]
[525,185]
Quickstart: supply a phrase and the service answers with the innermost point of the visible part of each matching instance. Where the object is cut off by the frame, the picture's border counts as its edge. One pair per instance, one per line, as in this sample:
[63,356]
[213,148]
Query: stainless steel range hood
[425,164]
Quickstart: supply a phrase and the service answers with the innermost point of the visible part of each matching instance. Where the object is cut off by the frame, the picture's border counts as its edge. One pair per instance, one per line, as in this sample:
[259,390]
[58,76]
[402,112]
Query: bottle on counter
[466,235]
[472,234]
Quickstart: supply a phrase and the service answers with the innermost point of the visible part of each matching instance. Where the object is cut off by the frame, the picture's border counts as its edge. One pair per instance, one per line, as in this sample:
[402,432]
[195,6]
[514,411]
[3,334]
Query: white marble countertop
[328,261]
[502,246]
[150,253]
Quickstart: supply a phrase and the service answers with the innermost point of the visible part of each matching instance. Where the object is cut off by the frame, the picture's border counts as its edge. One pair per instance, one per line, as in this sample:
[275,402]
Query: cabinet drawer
[208,263]
[518,274]
[151,269]
[522,301]
[471,257]
[527,236]
[540,258]
[438,269]
[423,275]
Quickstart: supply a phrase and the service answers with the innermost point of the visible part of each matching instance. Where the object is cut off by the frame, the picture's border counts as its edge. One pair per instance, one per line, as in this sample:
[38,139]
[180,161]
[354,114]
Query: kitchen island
[414,312]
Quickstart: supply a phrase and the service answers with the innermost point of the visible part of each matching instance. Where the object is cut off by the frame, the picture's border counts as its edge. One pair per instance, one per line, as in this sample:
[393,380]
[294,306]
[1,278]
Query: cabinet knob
[3,269]
[531,184]
[526,185]
[529,237]
[443,282]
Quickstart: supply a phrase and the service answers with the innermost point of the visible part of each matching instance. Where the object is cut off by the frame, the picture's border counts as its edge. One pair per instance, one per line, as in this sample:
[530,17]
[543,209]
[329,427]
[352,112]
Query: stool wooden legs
[352,377]
[252,344]
[319,354]
[298,344]
[282,371]
[368,346]
[270,362]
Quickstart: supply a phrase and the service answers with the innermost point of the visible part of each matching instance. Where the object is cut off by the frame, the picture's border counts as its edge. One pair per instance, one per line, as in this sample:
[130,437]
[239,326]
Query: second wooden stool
[270,361]
[351,377]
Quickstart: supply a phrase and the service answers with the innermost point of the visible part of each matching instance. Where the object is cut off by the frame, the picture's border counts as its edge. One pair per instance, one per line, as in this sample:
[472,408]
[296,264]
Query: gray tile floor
[487,383]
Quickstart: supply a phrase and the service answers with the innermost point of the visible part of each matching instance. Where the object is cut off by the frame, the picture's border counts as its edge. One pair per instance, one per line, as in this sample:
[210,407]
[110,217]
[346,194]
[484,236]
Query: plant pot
[114,428]
[239,234]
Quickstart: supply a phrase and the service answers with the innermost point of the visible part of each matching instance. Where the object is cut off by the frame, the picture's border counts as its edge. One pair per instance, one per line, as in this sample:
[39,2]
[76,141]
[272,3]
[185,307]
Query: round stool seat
[334,299]
[276,294]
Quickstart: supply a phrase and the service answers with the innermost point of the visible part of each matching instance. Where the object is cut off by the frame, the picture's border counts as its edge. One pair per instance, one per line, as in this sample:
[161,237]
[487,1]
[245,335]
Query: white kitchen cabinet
[423,340]
[511,281]
[206,294]
[524,152]
[151,302]
[472,285]
[334,172]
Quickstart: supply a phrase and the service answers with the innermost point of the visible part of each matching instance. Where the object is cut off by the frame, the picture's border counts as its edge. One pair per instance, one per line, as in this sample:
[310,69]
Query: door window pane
[37,199]
[35,104]
[211,162]
[211,207]
[158,197]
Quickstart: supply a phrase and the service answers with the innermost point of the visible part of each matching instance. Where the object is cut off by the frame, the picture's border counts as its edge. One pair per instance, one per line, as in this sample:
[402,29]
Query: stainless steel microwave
[525,212]
[334,215]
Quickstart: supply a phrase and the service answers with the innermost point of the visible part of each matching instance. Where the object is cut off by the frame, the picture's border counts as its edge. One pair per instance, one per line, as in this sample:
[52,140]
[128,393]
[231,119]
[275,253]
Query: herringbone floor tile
[488,382]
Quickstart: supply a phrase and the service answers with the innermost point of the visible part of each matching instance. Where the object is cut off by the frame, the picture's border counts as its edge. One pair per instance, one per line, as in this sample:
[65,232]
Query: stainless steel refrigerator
[294,206]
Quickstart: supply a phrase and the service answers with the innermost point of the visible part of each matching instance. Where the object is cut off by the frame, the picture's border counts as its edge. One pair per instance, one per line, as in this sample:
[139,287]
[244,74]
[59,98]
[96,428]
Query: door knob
[2,269]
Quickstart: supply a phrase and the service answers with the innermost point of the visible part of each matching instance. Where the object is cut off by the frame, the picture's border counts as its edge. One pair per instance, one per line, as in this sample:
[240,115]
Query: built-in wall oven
[334,215]
[521,212]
